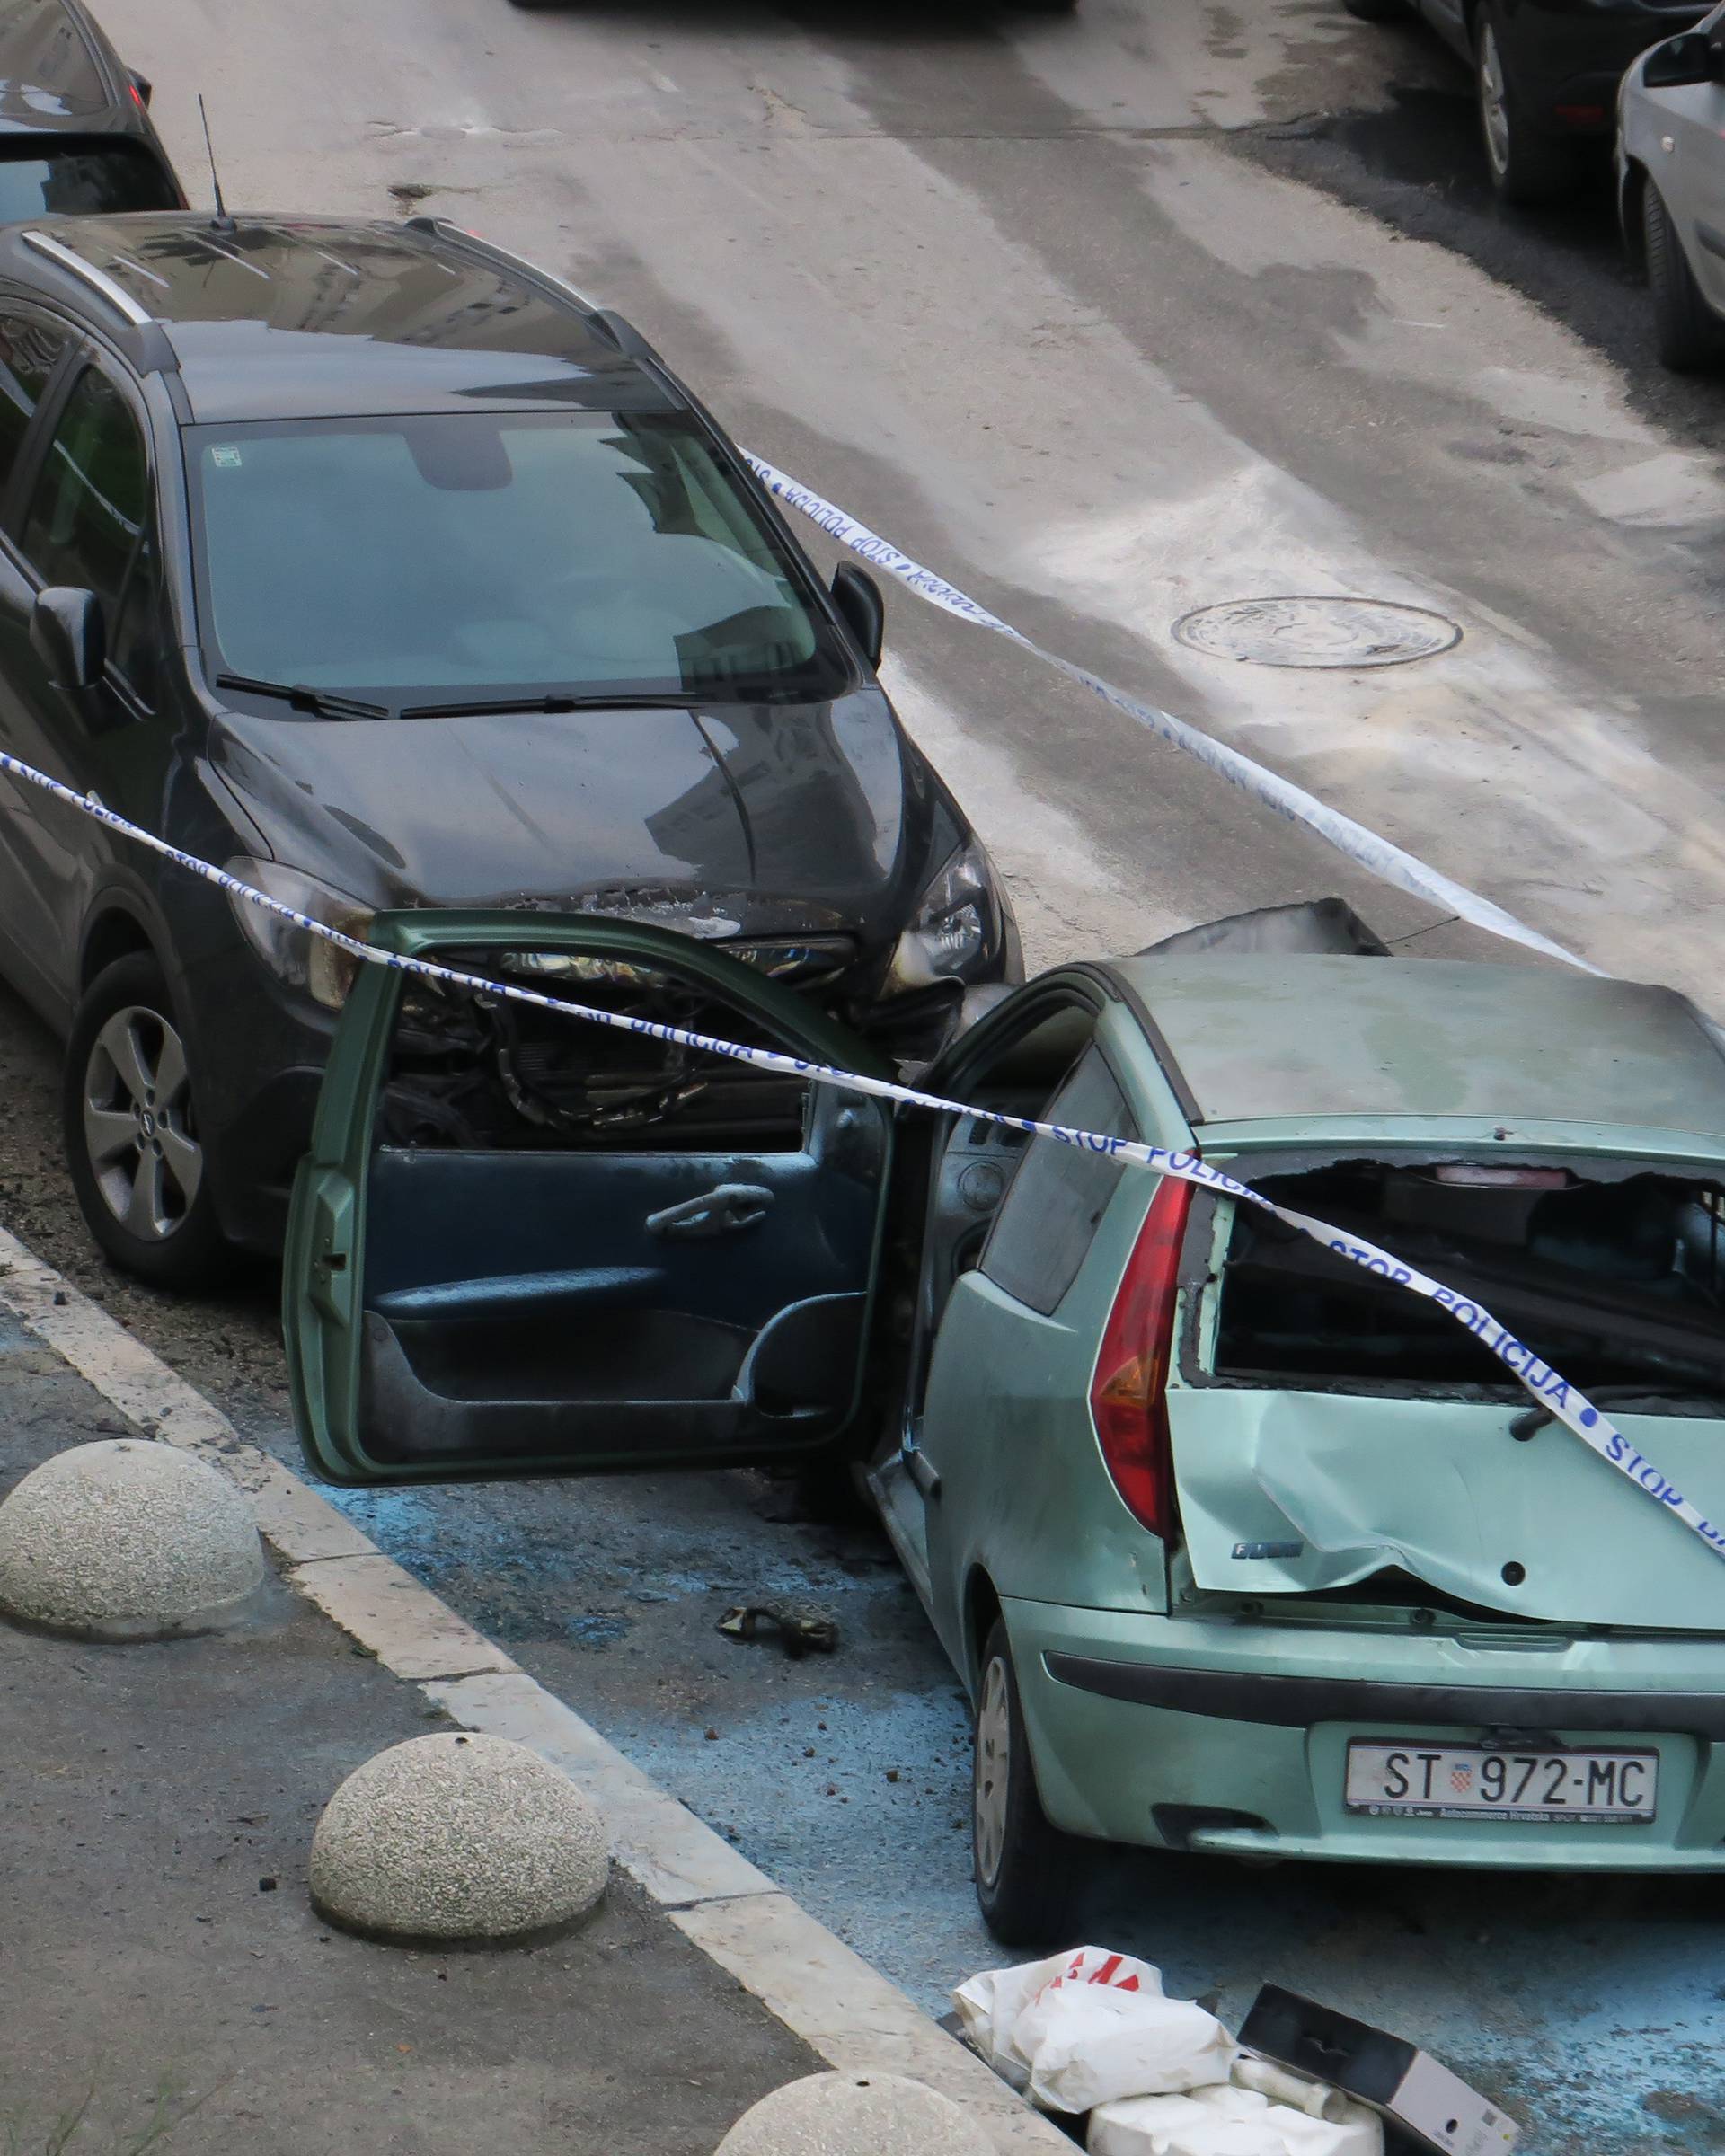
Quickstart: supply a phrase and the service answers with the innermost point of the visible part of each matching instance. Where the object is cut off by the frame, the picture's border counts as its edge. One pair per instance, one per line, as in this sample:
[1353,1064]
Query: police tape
[1566,1403]
[1367,849]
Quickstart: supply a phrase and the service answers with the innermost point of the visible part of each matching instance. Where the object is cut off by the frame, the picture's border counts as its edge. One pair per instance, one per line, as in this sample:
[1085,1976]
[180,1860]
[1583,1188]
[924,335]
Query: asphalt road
[1109,318]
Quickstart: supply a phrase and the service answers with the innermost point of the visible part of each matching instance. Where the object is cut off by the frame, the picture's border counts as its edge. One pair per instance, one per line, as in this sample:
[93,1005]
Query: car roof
[284,317]
[1257,1039]
[55,74]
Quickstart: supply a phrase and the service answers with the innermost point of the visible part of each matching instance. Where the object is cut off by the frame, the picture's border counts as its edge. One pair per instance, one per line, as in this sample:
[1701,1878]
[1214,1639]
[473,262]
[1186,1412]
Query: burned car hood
[768,818]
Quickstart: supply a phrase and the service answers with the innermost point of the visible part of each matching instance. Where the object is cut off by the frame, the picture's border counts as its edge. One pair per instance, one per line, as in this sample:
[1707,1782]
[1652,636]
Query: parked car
[1671,189]
[1237,1546]
[75,136]
[1545,72]
[370,560]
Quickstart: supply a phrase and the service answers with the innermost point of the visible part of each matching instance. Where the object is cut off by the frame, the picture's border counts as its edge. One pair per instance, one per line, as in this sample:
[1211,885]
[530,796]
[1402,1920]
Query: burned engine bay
[476,1071]
[1616,1276]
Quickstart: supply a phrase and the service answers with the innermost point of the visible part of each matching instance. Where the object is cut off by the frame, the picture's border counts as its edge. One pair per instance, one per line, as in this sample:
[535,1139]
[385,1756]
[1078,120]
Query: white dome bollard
[126,1539]
[855,2115]
[458,1841]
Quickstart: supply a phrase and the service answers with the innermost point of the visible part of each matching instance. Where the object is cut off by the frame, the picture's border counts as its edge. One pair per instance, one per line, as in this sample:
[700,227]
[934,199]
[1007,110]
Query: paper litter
[1233,2121]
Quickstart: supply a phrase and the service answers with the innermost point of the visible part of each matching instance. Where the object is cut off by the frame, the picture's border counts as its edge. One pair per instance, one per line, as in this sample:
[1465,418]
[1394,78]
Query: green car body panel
[323,1288]
[1156,1681]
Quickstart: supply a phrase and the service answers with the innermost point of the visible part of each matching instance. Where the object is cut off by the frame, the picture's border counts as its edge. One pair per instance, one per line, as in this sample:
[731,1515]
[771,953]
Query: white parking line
[808,1979]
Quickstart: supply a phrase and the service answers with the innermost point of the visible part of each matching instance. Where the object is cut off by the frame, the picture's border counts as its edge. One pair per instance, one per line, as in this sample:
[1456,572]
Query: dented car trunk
[1556,1157]
[1336,1433]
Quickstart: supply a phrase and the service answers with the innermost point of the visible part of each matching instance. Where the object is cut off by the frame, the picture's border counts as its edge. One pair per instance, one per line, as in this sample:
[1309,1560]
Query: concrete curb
[807,1977]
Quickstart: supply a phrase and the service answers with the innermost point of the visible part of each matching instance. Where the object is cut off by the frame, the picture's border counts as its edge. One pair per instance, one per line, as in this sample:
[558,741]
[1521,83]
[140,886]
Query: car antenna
[221,221]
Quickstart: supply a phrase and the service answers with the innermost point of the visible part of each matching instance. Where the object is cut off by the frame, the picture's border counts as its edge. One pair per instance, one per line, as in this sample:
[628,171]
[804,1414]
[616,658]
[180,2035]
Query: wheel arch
[1632,198]
[114,931]
[982,1611]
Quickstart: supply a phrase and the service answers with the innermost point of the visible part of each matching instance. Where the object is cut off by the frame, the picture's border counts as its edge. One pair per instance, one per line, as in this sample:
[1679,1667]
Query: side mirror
[1696,57]
[143,89]
[67,635]
[861,608]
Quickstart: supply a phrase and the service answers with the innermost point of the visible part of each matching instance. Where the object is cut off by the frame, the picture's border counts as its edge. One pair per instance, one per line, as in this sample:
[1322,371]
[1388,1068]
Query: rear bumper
[1278,1701]
[1233,1737]
[1568,63]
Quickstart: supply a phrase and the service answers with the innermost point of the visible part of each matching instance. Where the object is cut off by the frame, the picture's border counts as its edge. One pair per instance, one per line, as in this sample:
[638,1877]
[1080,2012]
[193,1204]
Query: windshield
[80,182]
[505,554]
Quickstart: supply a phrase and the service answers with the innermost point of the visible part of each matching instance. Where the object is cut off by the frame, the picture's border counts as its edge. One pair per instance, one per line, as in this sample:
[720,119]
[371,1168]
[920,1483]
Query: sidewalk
[156,1808]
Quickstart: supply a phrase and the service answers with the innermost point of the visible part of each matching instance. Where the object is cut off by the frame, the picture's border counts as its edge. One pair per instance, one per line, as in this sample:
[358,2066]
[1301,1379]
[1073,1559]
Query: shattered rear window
[1617,1284]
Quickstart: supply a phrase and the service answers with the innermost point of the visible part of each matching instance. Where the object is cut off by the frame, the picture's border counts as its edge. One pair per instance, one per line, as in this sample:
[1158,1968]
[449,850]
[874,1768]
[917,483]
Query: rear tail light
[1129,1393]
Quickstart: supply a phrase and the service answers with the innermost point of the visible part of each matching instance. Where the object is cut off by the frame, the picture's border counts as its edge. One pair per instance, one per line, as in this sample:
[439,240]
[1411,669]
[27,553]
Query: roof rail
[443,229]
[121,300]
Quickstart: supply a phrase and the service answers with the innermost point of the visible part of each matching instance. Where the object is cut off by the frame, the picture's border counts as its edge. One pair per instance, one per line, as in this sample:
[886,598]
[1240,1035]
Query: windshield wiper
[318,702]
[489,707]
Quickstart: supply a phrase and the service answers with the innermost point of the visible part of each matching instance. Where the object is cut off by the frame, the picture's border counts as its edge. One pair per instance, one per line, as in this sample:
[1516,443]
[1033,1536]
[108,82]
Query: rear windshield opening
[1616,1285]
[75,177]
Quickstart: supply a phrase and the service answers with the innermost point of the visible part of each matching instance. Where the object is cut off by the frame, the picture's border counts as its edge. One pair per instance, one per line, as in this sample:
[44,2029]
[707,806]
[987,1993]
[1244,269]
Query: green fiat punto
[1237,1546]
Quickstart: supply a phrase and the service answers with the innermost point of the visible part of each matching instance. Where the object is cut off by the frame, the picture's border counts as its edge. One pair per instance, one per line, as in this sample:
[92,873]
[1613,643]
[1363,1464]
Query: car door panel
[1024,1496]
[86,518]
[1012,1483]
[38,841]
[1691,178]
[460,1307]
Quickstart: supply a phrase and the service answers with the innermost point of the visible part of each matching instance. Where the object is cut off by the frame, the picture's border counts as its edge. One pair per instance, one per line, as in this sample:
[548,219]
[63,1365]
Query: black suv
[76,137]
[373,564]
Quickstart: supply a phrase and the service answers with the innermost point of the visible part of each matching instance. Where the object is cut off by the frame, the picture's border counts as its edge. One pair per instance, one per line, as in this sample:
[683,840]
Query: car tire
[131,1130]
[1686,332]
[1028,1872]
[1376,11]
[1526,167]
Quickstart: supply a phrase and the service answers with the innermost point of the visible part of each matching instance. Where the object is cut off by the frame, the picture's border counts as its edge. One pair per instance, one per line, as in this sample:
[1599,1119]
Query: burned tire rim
[992,1770]
[139,1131]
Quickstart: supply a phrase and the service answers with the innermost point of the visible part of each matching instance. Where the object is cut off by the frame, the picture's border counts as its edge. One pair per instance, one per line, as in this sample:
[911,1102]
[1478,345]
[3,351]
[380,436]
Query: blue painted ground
[1594,2008]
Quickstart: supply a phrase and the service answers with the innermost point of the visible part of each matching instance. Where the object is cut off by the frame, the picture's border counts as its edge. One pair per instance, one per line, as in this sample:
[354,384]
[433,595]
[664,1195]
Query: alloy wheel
[1494,101]
[992,1770]
[138,1123]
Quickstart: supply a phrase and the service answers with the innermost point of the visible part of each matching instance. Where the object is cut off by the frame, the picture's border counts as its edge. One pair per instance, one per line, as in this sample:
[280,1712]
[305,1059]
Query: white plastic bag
[1087,2026]
[1090,2046]
[1227,2121]
[991,2003]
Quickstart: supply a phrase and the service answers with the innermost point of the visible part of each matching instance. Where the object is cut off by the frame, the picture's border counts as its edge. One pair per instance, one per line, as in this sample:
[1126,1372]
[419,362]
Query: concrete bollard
[458,1841]
[125,1539]
[855,2115]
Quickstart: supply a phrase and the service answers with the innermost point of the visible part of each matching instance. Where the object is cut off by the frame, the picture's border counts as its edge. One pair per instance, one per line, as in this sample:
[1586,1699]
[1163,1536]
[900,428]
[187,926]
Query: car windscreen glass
[86,181]
[1616,1283]
[426,556]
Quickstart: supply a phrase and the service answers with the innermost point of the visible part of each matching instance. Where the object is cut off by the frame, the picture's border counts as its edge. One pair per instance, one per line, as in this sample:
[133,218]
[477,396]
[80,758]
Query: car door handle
[723,1211]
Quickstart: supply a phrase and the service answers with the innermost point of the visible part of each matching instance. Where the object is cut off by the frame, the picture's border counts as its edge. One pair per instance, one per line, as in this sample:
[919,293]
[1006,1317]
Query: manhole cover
[1317,631]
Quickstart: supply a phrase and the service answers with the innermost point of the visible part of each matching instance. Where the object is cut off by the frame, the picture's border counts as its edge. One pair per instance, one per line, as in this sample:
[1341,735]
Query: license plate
[1405,1780]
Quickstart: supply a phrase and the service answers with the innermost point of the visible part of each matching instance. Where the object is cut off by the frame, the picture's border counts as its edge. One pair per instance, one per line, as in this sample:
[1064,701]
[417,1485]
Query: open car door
[525,1244]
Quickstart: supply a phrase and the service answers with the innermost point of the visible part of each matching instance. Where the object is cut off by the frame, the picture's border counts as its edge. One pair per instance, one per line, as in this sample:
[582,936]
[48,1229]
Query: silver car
[1671,187]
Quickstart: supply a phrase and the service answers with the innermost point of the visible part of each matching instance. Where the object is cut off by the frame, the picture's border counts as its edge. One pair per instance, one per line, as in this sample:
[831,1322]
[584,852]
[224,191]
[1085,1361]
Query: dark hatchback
[76,137]
[372,564]
[1545,76]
